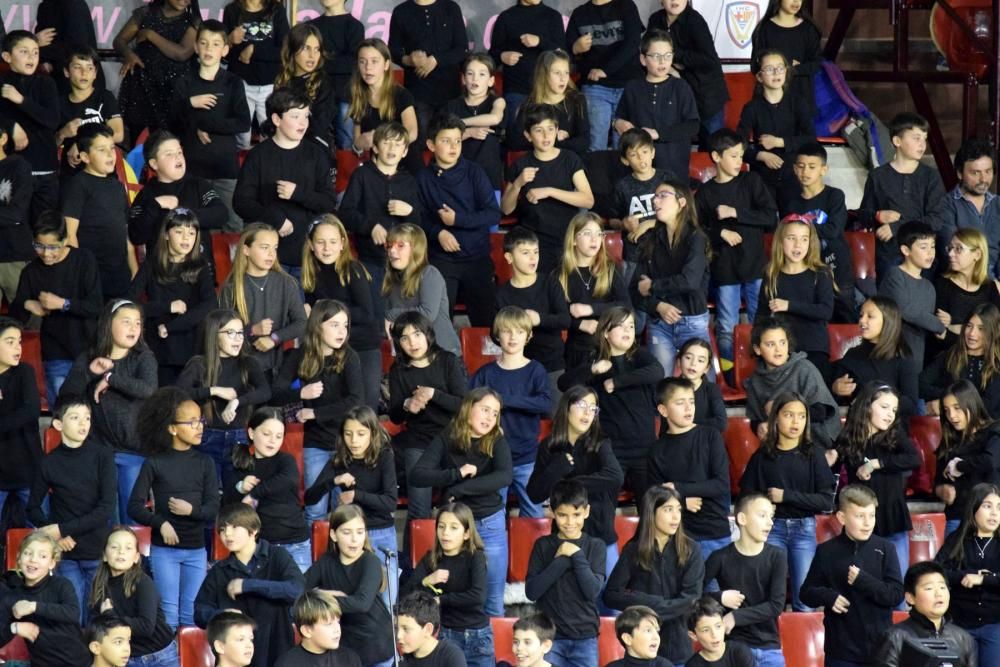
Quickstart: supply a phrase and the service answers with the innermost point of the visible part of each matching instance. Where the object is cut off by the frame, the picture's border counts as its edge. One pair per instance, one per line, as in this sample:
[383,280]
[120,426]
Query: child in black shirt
[317,617]
[418,618]
[638,630]
[788,29]
[15,230]
[483,114]
[705,625]
[342,35]
[552,85]
[108,638]
[19,413]
[694,361]
[302,70]
[87,102]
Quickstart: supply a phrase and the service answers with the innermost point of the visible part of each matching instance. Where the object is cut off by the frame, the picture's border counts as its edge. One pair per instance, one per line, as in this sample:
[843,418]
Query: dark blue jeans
[988,640]
[218,443]
[128,466]
[798,539]
[81,574]
[476,644]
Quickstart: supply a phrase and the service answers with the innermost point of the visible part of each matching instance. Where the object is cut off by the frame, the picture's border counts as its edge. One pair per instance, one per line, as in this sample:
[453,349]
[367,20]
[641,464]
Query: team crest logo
[741,19]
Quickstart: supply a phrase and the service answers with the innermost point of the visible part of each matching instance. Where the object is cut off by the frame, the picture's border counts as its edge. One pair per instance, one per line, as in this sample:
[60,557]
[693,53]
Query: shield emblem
[741,19]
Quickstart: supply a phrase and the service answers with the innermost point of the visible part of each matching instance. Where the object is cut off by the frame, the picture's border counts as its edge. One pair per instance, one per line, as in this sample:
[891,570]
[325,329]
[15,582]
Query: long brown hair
[345,265]
[314,362]
[468,521]
[558,439]
[645,535]
[380,440]
[856,435]
[408,279]
[459,433]
[361,97]
[958,355]
[102,578]
[294,42]
[891,344]
[193,264]
[211,359]
[968,528]
[769,445]
[970,402]
[613,317]
[602,269]
[687,220]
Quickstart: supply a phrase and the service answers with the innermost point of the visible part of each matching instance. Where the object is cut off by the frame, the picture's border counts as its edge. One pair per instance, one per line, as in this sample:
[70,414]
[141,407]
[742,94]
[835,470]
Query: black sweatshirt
[756,214]
[300,657]
[266,31]
[439,467]
[341,37]
[484,152]
[100,205]
[545,296]
[709,407]
[549,218]
[617,30]
[789,119]
[979,605]
[366,204]
[375,488]
[463,596]
[566,588]
[632,661]
[835,252]
[366,622]
[697,463]
[223,122]
[256,196]
[271,583]
[80,484]
[446,376]
[802,43]
[598,471]
[142,612]
[188,475]
[145,216]
[736,654]
[38,116]
[254,392]
[863,368]
[445,654]
[60,641]
[571,116]
[762,580]
[277,497]
[540,20]
[341,392]
[15,230]
[877,589]
[696,58]
[668,107]
[20,409]
[892,515]
[806,480]
[980,456]
[935,379]
[581,284]
[628,413]
[437,29]
[668,588]
[679,272]
[366,331]
[810,307]
[467,190]
[181,341]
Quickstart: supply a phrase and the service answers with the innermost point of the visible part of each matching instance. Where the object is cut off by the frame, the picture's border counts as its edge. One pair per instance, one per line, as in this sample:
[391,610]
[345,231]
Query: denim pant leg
[385,538]
[951,525]
[218,444]
[313,460]
[23,494]
[371,376]
[193,567]
[988,641]
[901,541]
[661,344]
[798,538]
[225,188]
[708,547]
[81,574]
[526,508]
[301,553]
[165,657]
[163,562]
[601,104]
[572,652]
[751,293]
[768,657]
[708,126]
[476,644]
[56,371]
[727,315]
[343,126]
[128,466]
[418,500]
[493,531]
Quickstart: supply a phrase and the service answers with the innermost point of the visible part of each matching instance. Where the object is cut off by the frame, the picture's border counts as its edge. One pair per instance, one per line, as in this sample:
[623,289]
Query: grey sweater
[431,300]
[917,300]
[279,300]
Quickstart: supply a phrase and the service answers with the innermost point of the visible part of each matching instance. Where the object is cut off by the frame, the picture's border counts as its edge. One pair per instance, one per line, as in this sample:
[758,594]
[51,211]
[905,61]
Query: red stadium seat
[925,432]
[223,250]
[478,348]
[422,533]
[842,338]
[744,361]
[13,541]
[293,444]
[31,354]
[320,538]
[862,245]
[613,245]
[544,429]
[741,443]
[501,268]
[503,639]
[729,394]
[388,355]
[398,75]
[52,439]
[514,156]
[498,91]
[741,86]
[521,536]
[701,168]
[625,527]
[609,648]
[802,636]
[16,651]
[927,536]
[219,550]
[827,527]
[347,162]
[899,616]
[194,649]
[144,536]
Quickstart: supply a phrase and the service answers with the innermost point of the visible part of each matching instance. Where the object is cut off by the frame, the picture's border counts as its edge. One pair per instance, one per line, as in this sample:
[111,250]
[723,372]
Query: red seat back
[422,533]
[802,635]
[219,550]
[613,245]
[501,269]
[347,162]
[17,651]
[625,527]
[503,639]
[842,338]
[740,85]
[478,348]
[827,527]
[927,536]
[925,432]
[521,536]
[320,538]
[144,536]
[701,168]
[293,444]
[744,362]
[741,443]
[31,354]
[194,649]
[13,541]
[862,245]
[52,439]
[223,250]
[609,648]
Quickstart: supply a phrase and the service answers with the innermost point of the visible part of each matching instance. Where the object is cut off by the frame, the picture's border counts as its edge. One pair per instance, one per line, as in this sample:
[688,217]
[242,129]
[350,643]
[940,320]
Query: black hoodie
[366,204]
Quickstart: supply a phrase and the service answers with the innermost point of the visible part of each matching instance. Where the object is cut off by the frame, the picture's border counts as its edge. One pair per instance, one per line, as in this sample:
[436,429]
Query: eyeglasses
[660,57]
[584,406]
[774,69]
[193,423]
[41,247]
[232,334]
[590,233]
[660,196]
[398,245]
[958,249]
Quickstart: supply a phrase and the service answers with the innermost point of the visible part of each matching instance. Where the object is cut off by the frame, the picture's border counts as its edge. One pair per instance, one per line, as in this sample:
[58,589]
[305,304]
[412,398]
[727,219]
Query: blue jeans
[301,553]
[23,494]
[768,657]
[710,125]
[514,102]
[727,315]
[708,547]
[665,339]
[476,644]
[128,466]
[525,507]
[386,539]
[178,574]
[313,461]
[901,541]
[797,537]
[602,102]
[81,574]
[56,371]
[988,641]
[371,375]
[218,443]
[610,560]
[572,652]
[493,531]
[165,657]
[343,127]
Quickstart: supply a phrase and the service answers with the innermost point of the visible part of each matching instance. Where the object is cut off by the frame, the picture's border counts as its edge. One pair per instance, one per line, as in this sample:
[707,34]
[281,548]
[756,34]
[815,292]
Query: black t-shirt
[635,197]
[550,217]
[101,206]
[299,657]
[484,152]
[403,101]
[100,107]
[736,654]
[445,654]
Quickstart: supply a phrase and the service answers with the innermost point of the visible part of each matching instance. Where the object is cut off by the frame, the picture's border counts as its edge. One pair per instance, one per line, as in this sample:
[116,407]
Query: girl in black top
[661,568]
[318,383]
[363,472]
[975,357]
[624,376]
[179,291]
[551,84]
[971,559]
[185,493]
[576,449]
[268,480]
[303,70]
[342,33]
[483,114]
[969,452]
[122,587]
[329,271]
[19,412]
[799,287]
[454,571]
[788,28]
[795,476]
[41,607]
[694,362]
[227,382]
[354,574]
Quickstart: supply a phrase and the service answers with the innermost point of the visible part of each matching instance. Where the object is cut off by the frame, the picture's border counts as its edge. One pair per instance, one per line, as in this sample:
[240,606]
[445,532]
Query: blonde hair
[315,606]
[459,433]
[602,268]
[540,77]
[813,260]
[345,264]
[38,536]
[511,317]
[361,93]
[408,279]
[976,240]
[236,279]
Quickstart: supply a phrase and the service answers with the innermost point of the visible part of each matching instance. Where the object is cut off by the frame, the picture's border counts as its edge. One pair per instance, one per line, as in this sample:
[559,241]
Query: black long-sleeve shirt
[341,392]
[544,296]
[709,407]
[697,464]
[599,472]
[668,107]
[223,122]
[446,376]
[38,116]
[253,392]
[463,596]
[521,19]
[877,589]
[810,307]
[617,30]
[367,624]
[342,35]
[975,606]
[762,580]
[20,409]
[100,205]
[277,494]
[566,588]
[801,43]
[571,116]
[60,642]
[679,271]
[366,204]
[935,379]
[366,332]
[892,515]
[806,480]
[145,216]
[439,467]
[790,119]
[980,463]
[375,489]
[668,588]
[141,611]
[188,475]
[859,364]
[300,657]
[694,52]
[438,30]
[15,228]
[80,484]
[581,284]
[265,31]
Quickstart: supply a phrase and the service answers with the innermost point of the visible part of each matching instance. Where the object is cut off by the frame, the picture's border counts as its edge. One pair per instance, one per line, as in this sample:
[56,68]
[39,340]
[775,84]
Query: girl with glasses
[963,285]
[788,28]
